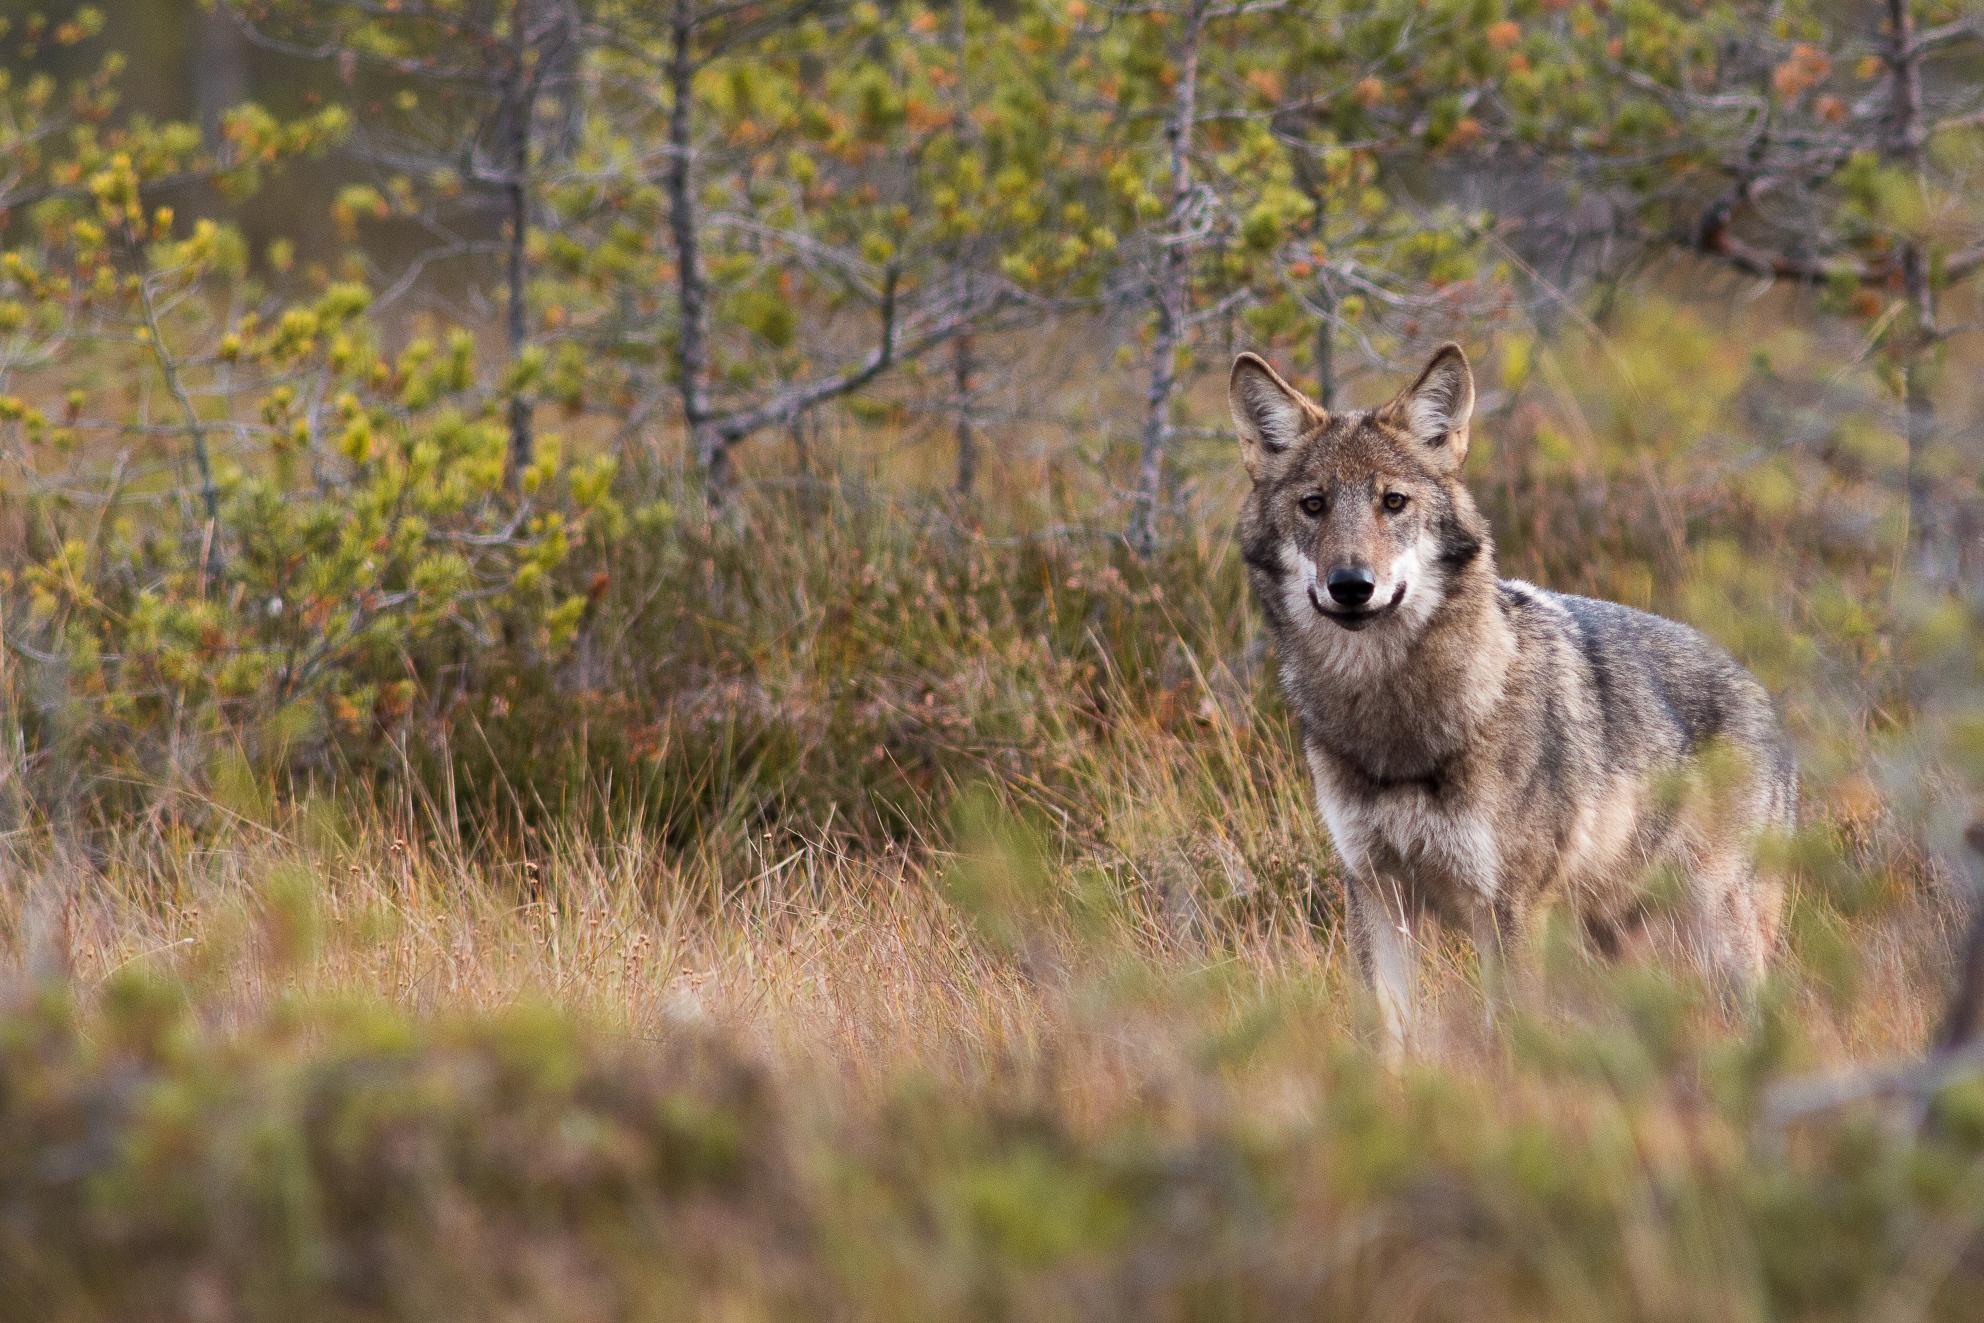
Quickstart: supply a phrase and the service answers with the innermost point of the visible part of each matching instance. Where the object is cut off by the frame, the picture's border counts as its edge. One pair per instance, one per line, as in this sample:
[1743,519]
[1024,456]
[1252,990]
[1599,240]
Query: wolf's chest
[1411,831]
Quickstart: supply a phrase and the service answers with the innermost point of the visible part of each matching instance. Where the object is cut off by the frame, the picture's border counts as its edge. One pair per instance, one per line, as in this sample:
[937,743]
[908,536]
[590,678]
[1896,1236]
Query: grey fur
[1482,746]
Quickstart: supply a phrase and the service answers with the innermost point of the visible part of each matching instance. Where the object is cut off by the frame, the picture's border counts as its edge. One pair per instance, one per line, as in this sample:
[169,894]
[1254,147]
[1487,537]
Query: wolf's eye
[1313,504]
[1394,501]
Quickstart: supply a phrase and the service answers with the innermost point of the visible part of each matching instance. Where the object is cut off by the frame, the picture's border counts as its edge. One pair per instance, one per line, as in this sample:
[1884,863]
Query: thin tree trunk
[1325,305]
[520,96]
[962,366]
[220,72]
[1314,182]
[1326,346]
[1170,292]
[710,454]
[1929,549]
[962,350]
[1926,541]
[1325,301]
[196,431]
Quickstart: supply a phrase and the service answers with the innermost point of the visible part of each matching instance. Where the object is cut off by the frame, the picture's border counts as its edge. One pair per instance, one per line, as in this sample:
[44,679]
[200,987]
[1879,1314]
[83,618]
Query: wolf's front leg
[1505,939]
[1384,936]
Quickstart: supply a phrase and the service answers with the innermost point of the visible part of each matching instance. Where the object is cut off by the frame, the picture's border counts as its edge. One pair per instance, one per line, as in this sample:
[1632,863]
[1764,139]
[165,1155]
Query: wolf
[1481,746]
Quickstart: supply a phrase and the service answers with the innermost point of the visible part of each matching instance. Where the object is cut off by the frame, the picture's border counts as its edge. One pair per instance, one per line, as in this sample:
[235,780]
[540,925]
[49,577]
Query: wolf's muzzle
[1356,619]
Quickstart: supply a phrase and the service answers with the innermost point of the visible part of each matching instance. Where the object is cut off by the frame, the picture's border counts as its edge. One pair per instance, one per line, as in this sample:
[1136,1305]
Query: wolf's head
[1358,520]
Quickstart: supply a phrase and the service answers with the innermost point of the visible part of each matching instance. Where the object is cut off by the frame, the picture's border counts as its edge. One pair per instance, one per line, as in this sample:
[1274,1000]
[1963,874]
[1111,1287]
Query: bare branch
[734,427]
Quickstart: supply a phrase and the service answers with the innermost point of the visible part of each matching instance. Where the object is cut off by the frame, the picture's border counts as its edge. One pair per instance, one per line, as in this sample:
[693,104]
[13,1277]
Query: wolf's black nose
[1351,585]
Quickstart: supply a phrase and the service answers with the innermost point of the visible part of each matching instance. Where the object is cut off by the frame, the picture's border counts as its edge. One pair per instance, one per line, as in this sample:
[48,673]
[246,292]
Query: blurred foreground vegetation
[541,783]
[341,1161]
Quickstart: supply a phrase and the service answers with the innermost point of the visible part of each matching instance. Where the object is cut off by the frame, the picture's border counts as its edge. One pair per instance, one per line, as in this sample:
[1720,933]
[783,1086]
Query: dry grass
[1112,951]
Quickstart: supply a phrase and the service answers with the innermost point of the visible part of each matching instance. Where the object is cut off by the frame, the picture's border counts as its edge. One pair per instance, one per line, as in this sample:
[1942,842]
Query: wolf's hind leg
[1387,945]
[1731,919]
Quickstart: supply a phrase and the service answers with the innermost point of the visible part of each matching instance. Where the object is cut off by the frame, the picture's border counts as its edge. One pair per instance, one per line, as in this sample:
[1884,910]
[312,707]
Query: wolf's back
[1659,691]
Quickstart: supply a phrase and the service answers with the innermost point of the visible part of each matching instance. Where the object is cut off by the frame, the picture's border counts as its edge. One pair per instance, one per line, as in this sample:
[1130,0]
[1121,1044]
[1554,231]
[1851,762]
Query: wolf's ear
[1270,414]
[1435,409]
